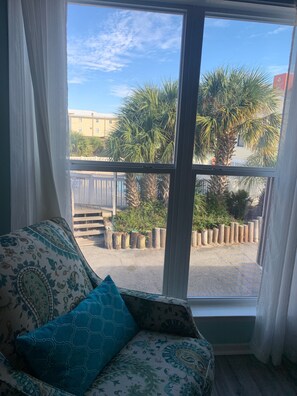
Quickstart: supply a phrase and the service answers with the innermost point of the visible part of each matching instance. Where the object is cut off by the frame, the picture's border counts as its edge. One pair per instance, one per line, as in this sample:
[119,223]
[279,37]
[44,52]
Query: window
[166,155]
[133,251]
[240,141]
[228,212]
[226,237]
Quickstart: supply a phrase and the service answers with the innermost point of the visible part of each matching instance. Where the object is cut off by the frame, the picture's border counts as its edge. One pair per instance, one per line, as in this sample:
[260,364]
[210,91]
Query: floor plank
[244,375]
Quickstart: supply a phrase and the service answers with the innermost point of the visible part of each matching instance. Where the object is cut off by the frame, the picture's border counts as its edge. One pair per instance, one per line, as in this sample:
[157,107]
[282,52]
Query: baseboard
[232,349]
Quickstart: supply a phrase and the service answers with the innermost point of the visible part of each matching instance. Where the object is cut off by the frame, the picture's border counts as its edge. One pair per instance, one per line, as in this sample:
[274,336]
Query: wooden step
[87,211]
[87,218]
[96,240]
[87,223]
[88,233]
[82,223]
[87,226]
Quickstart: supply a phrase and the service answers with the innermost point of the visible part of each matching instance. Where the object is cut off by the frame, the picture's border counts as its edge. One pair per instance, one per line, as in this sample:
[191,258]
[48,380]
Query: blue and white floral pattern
[43,274]
[155,364]
[42,277]
[159,313]
[15,383]
[94,278]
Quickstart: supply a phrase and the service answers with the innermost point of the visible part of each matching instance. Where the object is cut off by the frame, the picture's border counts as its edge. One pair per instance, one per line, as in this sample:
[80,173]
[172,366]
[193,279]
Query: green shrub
[217,204]
[209,221]
[200,205]
[237,203]
[149,215]
[97,146]
[209,212]
[85,146]
[142,219]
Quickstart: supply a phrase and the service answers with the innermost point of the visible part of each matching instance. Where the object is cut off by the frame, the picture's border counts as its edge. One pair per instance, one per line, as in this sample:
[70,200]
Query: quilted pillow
[70,351]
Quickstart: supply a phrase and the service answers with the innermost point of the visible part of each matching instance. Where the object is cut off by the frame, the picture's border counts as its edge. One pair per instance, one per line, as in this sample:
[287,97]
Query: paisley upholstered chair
[44,281]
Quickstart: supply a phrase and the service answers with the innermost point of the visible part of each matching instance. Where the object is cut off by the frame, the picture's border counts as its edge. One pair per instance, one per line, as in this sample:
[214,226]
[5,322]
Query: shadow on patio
[224,271]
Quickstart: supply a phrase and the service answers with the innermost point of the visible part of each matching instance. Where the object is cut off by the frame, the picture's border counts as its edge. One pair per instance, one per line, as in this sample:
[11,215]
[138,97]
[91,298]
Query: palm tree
[145,133]
[168,99]
[235,102]
[132,191]
[231,102]
[80,145]
[119,147]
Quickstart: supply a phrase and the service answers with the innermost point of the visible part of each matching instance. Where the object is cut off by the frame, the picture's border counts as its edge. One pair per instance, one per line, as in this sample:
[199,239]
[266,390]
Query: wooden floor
[246,376]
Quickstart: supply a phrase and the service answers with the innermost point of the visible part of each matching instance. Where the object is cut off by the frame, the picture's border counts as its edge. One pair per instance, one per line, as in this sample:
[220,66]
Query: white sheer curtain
[275,331]
[40,183]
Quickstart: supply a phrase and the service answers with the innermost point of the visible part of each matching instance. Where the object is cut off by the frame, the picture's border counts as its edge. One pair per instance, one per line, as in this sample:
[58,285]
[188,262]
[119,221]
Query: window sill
[223,307]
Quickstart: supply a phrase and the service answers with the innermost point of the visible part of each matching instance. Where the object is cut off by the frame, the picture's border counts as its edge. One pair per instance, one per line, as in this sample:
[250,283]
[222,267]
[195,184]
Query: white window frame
[183,172]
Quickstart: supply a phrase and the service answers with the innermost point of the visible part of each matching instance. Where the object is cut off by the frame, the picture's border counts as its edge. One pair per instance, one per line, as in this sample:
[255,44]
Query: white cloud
[277,69]
[220,23]
[279,30]
[256,35]
[275,31]
[121,91]
[76,80]
[124,36]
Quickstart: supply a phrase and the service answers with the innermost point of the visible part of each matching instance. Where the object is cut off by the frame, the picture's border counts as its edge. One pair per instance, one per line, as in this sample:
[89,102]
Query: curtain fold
[275,332]
[40,182]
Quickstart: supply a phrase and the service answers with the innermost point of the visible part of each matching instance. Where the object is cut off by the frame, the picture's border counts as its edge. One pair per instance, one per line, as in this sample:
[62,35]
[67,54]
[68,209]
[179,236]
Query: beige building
[91,123]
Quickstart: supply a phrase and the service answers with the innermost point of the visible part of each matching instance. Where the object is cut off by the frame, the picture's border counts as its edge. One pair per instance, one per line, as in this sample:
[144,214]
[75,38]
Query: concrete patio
[224,271]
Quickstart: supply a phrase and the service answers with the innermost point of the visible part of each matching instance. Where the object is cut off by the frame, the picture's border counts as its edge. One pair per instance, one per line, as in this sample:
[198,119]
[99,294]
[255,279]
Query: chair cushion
[154,364]
[42,276]
[70,351]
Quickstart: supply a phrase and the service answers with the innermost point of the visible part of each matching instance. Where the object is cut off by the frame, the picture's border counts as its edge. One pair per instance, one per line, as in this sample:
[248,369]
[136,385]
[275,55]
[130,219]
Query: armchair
[44,275]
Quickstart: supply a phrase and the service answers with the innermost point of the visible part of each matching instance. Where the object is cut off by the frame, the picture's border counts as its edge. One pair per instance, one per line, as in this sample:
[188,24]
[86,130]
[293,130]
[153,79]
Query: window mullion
[177,254]
[106,166]
[233,171]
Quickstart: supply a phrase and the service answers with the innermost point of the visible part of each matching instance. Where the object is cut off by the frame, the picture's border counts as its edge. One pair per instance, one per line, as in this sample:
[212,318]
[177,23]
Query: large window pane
[226,235]
[119,221]
[244,74]
[123,69]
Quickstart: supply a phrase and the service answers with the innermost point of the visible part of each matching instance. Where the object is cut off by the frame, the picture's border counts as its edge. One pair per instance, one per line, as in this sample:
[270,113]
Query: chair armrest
[15,382]
[159,313]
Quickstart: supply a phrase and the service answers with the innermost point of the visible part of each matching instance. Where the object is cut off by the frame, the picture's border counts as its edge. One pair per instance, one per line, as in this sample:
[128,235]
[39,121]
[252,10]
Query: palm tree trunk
[150,187]
[164,188]
[132,191]
[218,185]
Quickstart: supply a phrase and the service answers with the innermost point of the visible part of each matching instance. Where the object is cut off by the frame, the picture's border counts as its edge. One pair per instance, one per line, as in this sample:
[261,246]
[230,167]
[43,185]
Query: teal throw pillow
[70,351]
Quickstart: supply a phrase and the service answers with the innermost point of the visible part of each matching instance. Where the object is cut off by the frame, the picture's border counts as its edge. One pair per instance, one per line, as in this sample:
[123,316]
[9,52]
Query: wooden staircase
[88,224]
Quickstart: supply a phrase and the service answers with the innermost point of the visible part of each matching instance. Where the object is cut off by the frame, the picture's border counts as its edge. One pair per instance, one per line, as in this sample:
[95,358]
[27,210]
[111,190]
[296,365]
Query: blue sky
[111,51]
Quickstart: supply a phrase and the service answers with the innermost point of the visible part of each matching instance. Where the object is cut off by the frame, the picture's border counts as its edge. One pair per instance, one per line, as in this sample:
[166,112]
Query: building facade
[91,123]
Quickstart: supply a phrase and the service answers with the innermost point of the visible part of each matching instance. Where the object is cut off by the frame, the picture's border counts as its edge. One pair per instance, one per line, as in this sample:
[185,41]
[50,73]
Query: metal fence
[98,190]
[107,190]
